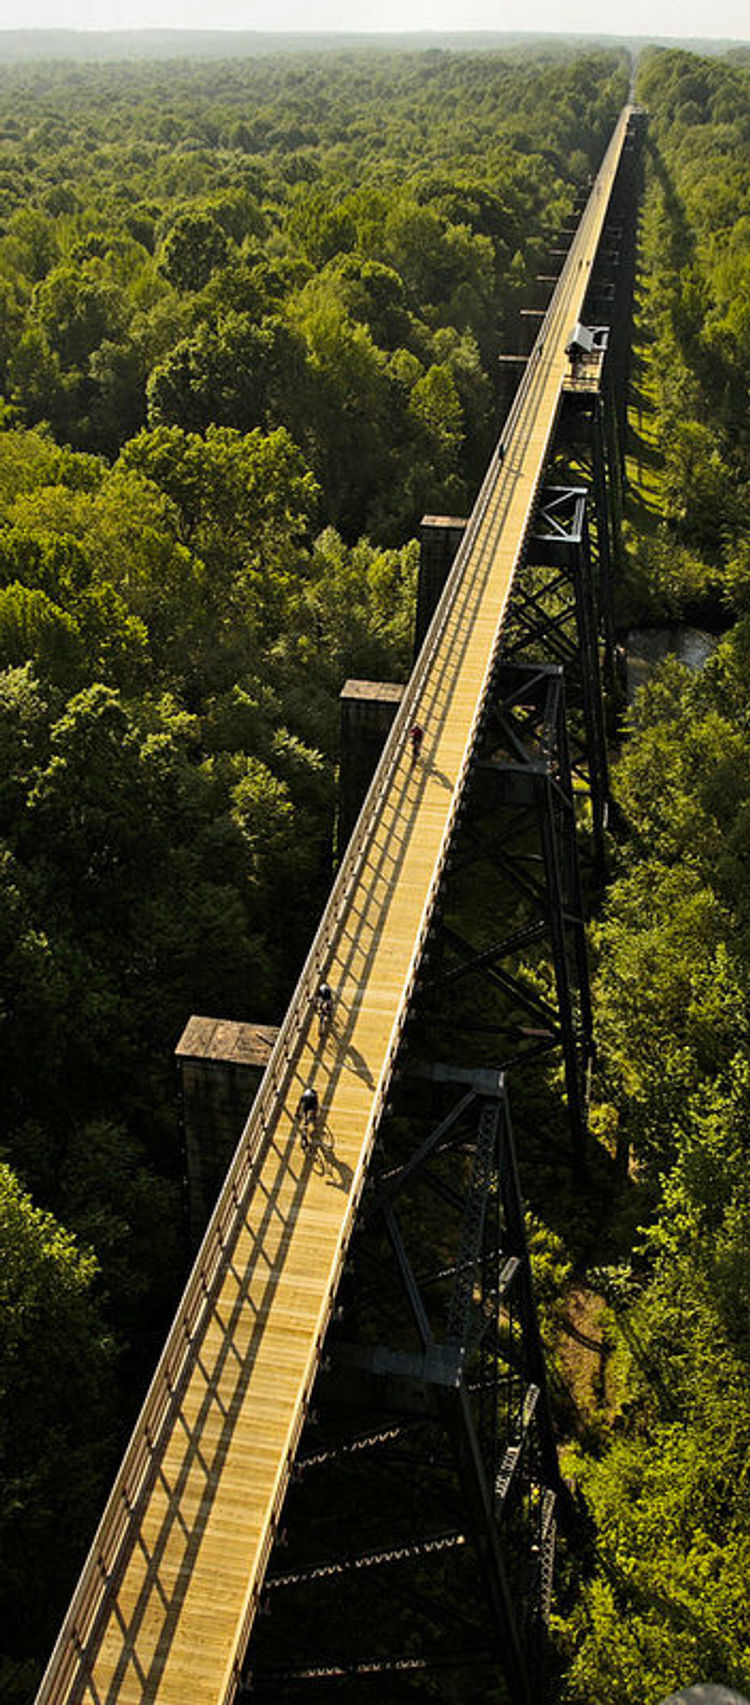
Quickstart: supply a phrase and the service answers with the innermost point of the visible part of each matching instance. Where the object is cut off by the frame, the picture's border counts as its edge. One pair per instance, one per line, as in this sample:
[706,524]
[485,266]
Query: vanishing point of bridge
[180,1564]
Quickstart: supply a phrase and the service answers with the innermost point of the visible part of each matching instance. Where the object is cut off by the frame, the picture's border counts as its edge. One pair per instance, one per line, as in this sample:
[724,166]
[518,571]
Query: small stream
[647,647]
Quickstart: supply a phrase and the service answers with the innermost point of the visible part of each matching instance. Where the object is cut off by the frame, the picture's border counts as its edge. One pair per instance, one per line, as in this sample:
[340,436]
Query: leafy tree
[77,310]
[55,1421]
[239,375]
[32,628]
[34,379]
[30,244]
[435,403]
[193,248]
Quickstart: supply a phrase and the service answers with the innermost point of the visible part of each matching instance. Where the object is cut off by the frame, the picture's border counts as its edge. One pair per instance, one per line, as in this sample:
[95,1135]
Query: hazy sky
[701,18]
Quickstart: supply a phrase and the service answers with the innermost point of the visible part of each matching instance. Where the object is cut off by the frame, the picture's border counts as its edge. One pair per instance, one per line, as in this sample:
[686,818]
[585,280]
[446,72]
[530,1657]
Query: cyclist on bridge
[324,1009]
[307,1113]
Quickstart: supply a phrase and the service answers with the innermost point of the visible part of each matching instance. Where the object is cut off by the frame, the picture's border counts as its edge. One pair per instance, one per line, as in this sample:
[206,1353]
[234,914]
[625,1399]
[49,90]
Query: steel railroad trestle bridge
[360,1318]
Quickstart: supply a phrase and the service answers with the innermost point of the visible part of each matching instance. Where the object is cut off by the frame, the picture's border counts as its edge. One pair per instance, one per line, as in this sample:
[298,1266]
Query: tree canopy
[249,319]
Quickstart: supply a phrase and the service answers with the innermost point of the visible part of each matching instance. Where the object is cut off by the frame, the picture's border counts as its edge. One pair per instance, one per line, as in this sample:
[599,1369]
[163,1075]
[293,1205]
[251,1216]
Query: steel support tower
[419,1534]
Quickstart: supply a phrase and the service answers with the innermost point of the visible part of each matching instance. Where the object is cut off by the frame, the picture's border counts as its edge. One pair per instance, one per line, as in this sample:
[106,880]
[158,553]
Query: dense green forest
[250,316]
[664,1448]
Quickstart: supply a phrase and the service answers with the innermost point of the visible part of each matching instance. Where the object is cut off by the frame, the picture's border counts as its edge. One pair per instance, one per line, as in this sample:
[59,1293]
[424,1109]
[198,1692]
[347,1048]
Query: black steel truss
[434,1473]
[555,616]
[421,1523]
[613,279]
[588,430]
[520,824]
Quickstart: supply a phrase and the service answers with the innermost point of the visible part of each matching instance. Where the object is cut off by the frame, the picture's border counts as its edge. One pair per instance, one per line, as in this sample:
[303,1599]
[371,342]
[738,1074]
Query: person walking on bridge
[416,736]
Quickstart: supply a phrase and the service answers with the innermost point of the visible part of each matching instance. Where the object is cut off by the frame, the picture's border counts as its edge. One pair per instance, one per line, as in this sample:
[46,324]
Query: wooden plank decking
[166,1601]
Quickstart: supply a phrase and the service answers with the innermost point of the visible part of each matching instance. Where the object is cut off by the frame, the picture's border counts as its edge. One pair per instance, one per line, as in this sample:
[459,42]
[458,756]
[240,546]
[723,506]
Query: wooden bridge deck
[166,1601]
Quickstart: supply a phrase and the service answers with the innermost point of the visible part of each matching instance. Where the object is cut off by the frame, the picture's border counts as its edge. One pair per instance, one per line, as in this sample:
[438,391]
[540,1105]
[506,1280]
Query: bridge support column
[367,712]
[439,539]
[430,1477]
[220,1065]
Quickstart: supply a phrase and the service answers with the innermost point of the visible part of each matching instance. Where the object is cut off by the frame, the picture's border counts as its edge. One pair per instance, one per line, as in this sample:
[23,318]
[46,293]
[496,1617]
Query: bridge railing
[122,1513]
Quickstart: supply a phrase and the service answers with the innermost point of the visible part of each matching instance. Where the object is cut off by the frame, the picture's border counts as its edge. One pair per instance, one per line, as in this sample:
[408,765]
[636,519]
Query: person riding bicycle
[308,1113]
[324,1007]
